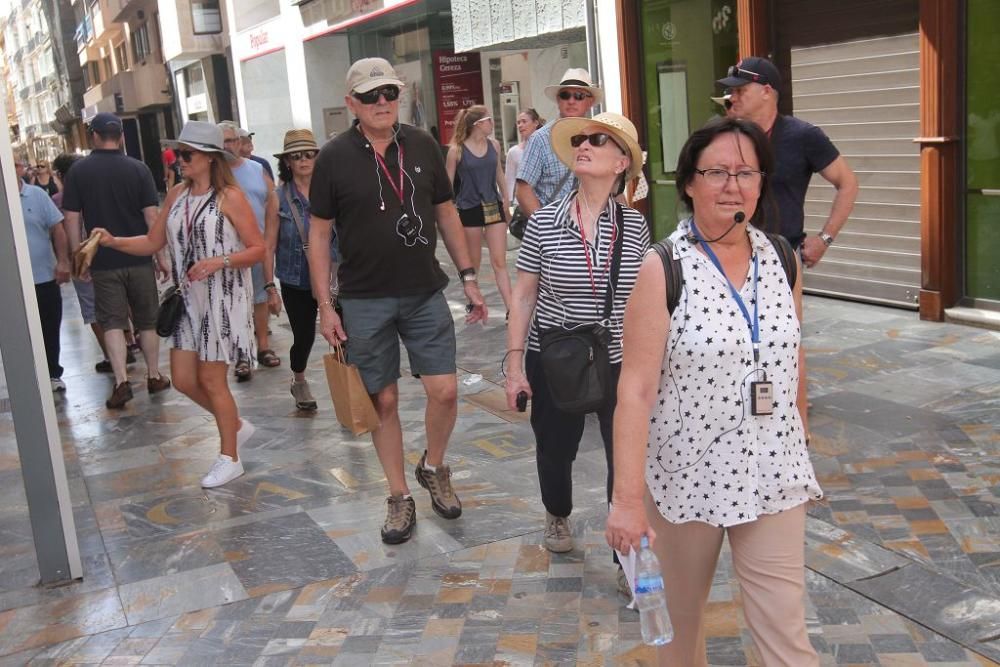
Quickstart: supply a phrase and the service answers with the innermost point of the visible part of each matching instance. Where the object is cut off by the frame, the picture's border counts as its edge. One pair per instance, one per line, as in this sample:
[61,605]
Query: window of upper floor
[121,55]
[206,17]
[140,43]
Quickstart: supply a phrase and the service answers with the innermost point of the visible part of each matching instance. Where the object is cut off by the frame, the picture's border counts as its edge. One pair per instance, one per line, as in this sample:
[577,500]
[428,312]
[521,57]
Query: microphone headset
[737,219]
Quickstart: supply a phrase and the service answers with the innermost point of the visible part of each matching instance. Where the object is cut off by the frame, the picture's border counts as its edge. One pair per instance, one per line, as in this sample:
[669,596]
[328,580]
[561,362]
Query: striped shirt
[553,248]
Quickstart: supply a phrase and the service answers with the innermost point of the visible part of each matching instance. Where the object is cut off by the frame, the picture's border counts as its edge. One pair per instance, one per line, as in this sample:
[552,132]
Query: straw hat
[575,77]
[617,125]
[201,136]
[298,140]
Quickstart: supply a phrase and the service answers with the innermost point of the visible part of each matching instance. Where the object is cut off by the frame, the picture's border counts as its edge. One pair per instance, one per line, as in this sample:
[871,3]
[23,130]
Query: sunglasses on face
[390,93]
[303,155]
[597,139]
[483,119]
[186,155]
[574,94]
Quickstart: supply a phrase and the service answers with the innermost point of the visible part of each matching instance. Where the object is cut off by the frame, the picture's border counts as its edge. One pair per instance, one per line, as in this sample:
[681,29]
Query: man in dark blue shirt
[800,150]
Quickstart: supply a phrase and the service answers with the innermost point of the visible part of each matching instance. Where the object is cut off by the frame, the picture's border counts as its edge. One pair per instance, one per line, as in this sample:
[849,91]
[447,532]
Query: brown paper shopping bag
[350,398]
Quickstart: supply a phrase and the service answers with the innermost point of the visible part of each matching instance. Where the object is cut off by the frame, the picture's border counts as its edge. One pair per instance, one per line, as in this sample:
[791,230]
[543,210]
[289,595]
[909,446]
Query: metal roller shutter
[864,93]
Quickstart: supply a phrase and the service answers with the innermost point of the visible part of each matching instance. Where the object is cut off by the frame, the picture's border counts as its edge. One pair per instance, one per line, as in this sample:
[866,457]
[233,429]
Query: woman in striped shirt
[563,275]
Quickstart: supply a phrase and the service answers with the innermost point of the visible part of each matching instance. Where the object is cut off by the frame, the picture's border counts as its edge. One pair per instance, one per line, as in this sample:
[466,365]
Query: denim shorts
[375,327]
[85,295]
[257,277]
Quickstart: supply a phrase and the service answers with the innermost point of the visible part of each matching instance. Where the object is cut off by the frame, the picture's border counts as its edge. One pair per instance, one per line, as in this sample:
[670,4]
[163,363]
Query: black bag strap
[188,232]
[671,272]
[674,275]
[617,219]
[787,257]
[285,189]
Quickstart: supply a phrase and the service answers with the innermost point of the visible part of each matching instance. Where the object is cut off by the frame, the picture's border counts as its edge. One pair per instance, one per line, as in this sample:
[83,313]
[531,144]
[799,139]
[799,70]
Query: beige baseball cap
[370,73]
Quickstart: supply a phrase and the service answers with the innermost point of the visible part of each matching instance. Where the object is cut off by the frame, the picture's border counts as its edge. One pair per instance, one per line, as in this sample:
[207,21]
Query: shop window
[206,17]
[140,43]
[194,79]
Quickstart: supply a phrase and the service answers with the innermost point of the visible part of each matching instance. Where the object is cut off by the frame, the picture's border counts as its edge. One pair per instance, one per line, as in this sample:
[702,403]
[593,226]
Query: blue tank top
[250,176]
[478,178]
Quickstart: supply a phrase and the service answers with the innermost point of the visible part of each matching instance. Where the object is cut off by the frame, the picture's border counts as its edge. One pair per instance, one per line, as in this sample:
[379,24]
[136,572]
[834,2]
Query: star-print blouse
[709,459]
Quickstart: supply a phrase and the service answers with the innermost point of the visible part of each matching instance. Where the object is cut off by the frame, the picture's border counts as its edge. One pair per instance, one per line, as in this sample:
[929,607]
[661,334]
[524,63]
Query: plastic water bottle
[650,598]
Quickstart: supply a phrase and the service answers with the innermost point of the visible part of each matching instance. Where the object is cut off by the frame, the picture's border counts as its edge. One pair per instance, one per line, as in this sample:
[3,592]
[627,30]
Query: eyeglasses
[303,155]
[746,74]
[390,93]
[595,139]
[186,155]
[575,94]
[745,178]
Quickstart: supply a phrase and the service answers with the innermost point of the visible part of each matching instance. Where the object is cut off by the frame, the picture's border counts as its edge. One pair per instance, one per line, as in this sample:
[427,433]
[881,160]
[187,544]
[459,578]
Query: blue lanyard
[754,324]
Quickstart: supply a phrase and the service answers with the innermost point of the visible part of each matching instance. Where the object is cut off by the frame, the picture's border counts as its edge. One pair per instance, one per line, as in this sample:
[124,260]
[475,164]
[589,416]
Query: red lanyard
[586,250]
[385,170]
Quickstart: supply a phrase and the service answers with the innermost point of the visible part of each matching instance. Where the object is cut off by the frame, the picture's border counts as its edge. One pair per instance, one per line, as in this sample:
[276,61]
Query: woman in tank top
[711,425]
[481,191]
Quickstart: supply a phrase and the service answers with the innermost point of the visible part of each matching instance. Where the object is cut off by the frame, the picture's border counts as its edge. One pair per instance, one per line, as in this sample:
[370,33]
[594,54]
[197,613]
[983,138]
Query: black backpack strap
[787,257]
[671,272]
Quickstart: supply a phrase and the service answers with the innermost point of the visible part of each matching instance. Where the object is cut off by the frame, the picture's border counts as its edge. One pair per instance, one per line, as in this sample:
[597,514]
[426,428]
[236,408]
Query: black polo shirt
[800,150]
[110,190]
[349,187]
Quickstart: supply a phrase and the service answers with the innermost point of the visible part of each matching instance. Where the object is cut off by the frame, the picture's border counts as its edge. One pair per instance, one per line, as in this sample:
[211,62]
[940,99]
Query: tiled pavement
[285,566]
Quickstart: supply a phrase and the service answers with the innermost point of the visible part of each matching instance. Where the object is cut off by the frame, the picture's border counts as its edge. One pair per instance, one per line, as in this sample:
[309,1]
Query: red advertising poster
[458,80]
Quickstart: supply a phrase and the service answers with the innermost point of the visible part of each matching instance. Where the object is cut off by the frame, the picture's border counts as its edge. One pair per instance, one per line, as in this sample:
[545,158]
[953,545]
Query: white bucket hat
[575,77]
[201,136]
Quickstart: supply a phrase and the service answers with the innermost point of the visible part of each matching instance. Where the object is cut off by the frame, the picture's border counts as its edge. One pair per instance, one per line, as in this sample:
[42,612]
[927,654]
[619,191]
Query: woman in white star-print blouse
[714,460]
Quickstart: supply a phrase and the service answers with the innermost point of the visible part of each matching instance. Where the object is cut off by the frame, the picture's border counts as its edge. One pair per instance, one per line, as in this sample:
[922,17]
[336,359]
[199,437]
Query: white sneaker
[245,432]
[57,384]
[223,471]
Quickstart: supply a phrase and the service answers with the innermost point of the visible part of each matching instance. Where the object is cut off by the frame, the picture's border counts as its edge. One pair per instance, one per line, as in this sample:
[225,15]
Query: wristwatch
[467,275]
[225,261]
[826,238]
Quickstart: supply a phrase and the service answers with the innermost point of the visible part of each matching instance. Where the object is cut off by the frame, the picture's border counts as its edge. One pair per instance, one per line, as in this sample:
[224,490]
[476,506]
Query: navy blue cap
[752,70]
[105,122]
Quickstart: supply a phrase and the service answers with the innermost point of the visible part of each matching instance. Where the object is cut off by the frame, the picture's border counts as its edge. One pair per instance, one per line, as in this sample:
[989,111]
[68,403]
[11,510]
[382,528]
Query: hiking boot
[103,366]
[558,536]
[121,395]
[57,384]
[303,397]
[400,519]
[223,471]
[438,483]
[159,383]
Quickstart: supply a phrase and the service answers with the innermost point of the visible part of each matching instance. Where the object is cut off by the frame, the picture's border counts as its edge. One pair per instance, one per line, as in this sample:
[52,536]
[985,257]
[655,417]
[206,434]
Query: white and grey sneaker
[304,399]
[245,432]
[57,384]
[223,471]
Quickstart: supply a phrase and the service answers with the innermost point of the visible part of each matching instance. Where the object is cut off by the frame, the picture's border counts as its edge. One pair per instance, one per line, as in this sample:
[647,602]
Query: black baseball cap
[752,70]
[105,122]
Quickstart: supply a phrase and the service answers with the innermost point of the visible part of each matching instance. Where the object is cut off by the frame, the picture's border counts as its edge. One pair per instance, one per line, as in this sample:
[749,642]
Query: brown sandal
[268,358]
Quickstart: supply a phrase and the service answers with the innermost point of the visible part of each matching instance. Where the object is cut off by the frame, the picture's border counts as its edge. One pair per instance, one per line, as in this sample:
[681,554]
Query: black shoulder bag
[519,221]
[576,359]
[172,304]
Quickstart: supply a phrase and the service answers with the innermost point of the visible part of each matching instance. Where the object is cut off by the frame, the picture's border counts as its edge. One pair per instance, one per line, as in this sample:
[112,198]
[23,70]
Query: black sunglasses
[186,154]
[595,139]
[745,74]
[390,93]
[303,155]
[575,94]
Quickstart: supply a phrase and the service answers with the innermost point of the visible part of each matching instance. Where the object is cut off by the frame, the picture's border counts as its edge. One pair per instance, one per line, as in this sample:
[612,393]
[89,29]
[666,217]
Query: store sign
[458,80]
[262,39]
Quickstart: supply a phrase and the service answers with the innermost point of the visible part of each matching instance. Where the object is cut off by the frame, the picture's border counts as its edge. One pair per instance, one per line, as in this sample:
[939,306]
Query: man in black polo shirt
[386,187]
[800,150]
[116,192]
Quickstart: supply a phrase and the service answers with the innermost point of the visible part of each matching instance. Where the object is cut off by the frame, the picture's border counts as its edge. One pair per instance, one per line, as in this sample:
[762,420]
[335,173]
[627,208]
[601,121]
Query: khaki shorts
[127,293]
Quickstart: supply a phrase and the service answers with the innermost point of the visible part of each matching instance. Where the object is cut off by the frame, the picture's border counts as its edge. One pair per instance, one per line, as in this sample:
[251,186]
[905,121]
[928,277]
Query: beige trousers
[769,561]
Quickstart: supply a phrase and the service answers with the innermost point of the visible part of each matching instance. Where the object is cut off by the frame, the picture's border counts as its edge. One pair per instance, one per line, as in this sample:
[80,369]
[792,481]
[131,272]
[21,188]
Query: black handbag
[169,314]
[168,317]
[518,223]
[576,358]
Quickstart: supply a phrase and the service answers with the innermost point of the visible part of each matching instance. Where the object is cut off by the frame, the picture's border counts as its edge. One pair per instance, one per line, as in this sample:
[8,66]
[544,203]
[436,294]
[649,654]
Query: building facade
[120,50]
[46,88]
[905,88]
